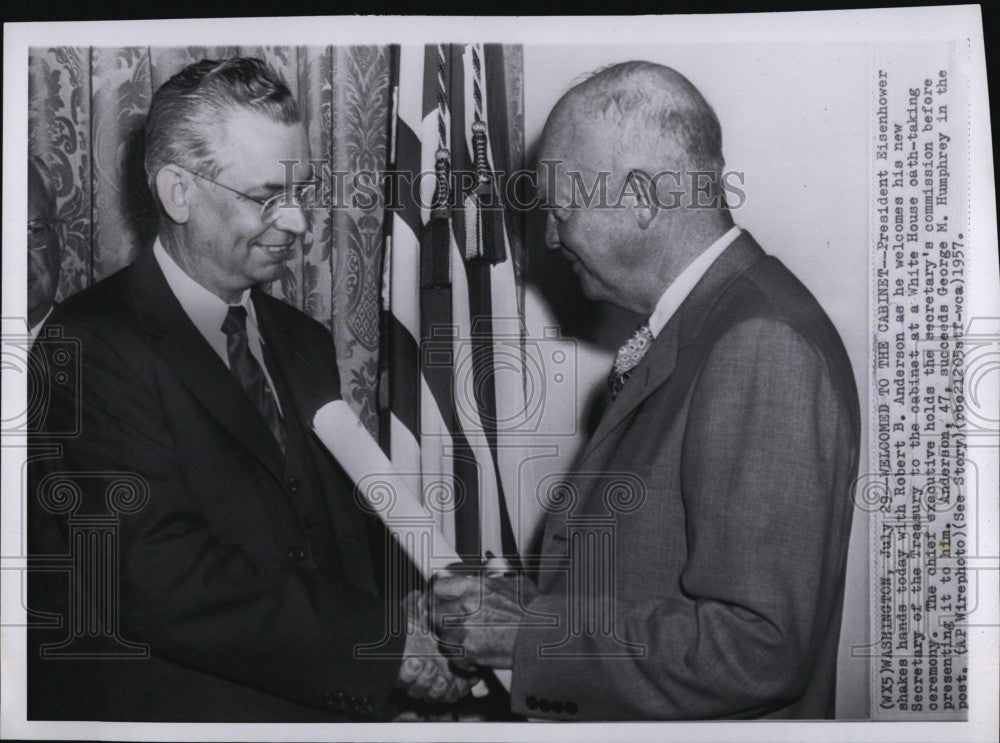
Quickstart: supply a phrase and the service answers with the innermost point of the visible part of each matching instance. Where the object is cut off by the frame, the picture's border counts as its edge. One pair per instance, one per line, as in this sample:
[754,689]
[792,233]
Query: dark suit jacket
[734,446]
[248,574]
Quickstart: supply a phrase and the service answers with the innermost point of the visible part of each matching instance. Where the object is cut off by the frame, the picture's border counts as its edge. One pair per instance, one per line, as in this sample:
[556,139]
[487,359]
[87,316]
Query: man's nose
[551,231]
[291,219]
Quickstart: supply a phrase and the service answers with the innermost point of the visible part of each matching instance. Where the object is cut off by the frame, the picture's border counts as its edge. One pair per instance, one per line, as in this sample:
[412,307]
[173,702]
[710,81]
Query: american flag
[452,364]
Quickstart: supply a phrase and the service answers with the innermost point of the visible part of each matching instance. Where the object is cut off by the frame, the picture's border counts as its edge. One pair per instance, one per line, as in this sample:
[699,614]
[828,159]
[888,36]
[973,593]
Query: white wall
[793,122]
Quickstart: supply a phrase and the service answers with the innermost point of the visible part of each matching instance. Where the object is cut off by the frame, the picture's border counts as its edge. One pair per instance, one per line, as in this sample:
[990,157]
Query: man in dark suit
[234,580]
[44,245]
[693,565]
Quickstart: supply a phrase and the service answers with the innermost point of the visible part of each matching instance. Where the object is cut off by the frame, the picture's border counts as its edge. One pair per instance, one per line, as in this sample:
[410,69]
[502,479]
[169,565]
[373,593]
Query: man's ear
[640,186]
[173,187]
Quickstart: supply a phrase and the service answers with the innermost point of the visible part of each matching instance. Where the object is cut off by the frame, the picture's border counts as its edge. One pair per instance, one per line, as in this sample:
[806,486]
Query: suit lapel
[654,369]
[652,373]
[308,386]
[681,330]
[195,362]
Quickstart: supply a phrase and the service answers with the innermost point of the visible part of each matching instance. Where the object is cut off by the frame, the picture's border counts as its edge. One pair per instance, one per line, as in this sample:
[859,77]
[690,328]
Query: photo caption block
[920,487]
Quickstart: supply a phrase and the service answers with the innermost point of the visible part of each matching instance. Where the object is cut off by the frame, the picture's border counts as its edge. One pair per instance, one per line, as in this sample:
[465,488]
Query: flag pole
[385,314]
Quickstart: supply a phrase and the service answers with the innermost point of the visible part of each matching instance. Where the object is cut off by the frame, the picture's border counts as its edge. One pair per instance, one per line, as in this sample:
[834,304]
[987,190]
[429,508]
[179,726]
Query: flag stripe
[471,521]
[477,522]
[430,87]
[436,467]
[405,447]
[407,162]
[503,395]
[386,333]
[444,459]
[437,356]
[508,338]
[404,388]
[461,162]
[404,296]
[446,406]
[500,154]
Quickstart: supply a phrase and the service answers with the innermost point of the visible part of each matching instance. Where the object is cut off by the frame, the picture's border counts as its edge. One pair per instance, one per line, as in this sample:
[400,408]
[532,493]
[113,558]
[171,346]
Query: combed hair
[187,110]
[655,105]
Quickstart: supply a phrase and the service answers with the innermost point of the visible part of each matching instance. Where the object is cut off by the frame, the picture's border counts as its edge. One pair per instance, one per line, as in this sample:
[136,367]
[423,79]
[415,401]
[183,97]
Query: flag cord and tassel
[435,240]
[484,226]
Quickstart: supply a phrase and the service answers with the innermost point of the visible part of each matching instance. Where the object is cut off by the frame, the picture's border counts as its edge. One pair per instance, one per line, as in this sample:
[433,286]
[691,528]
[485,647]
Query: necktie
[248,372]
[628,358]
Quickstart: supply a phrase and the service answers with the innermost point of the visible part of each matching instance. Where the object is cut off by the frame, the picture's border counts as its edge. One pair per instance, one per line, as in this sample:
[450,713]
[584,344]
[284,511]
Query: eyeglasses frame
[264,203]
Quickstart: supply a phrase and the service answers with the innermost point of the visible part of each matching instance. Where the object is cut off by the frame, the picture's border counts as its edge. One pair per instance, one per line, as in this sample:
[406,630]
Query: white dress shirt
[678,291]
[33,332]
[208,312]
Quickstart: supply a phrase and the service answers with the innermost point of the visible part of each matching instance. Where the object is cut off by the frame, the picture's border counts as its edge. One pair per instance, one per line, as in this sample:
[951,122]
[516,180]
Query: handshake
[462,624]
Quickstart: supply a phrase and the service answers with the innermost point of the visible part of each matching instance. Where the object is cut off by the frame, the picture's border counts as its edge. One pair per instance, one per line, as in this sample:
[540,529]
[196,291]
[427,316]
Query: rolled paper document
[347,439]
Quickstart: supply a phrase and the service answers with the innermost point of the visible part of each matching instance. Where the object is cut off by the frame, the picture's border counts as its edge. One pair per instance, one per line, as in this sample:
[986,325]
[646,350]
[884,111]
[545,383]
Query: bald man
[695,567]
[44,246]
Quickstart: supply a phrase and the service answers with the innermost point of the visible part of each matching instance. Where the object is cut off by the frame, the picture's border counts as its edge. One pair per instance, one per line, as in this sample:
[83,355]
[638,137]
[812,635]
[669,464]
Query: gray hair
[656,108]
[188,108]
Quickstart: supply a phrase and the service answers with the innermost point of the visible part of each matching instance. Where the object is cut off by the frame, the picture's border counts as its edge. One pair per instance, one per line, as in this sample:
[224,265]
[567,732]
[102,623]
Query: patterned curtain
[87,107]
[86,110]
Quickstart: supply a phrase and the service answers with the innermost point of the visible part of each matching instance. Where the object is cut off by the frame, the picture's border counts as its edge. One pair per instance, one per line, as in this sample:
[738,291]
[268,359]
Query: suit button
[366,705]
[329,700]
[296,554]
[571,708]
[532,703]
[544,705]
[557,707]
[293,485]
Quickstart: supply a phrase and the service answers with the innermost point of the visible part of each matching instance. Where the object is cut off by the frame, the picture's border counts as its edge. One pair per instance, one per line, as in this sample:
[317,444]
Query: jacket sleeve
[766,441]
[192,597]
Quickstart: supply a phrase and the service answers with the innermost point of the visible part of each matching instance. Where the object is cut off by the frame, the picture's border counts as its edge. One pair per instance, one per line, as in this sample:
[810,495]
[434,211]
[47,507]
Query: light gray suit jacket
[693,566]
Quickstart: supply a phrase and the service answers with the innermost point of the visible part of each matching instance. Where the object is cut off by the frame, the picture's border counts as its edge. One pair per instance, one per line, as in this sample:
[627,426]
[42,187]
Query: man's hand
[481,613]
[425,673]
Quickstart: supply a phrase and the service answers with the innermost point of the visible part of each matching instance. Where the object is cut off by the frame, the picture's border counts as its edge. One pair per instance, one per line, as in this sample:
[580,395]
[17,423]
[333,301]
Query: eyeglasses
[40,233]
[302,196]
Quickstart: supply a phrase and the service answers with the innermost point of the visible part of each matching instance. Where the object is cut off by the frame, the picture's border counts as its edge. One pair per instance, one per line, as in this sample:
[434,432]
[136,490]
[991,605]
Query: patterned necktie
[248,372]
[628,358]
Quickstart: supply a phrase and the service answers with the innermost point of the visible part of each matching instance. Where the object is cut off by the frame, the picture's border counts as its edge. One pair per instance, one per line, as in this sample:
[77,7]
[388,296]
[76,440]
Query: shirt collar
[206,310]
[681,287]
[33,332]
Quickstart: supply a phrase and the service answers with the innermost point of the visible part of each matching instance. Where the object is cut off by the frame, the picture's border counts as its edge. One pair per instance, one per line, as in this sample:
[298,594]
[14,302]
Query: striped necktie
[248,372]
